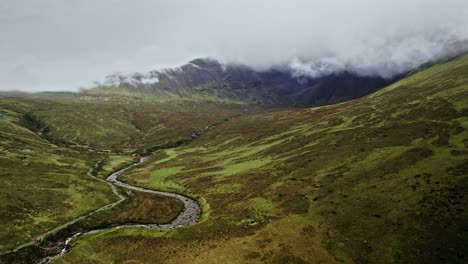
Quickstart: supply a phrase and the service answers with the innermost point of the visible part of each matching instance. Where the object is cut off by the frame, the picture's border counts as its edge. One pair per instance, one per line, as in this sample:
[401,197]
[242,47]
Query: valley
[378,179]
[52,158]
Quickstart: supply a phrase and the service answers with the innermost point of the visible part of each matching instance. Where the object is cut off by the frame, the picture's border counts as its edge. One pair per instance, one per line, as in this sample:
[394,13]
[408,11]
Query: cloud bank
[65,45]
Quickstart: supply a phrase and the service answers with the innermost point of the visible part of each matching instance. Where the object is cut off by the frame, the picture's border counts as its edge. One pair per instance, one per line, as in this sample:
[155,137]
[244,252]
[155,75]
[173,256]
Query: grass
[261,207]
[138,208]
[158,178]
[232,168]
[49,142]
[380,179]
[43,184]
[113,163]
[197,94]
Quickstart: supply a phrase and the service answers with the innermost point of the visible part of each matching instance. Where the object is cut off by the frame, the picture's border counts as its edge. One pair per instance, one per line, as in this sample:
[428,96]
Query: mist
[54,45]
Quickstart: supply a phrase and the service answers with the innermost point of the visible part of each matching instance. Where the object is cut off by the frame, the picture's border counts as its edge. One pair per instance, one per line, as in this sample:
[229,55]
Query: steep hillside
[381,179]
[208,80]
[49,142]
[43,184]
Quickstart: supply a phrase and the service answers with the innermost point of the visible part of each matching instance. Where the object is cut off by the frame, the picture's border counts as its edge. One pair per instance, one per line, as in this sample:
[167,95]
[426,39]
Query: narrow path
[188,216]
[40,237]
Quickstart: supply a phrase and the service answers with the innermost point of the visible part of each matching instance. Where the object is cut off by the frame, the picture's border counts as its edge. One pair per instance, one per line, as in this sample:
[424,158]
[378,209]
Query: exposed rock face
[276,87]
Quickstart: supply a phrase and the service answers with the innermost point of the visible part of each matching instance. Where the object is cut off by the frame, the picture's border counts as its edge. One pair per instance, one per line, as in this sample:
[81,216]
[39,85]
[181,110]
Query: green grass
[232,168]
[261,207]
[113,163]
[159,178]
[380,179]
[43,184]
[195,94]
[225,188]
[49,142]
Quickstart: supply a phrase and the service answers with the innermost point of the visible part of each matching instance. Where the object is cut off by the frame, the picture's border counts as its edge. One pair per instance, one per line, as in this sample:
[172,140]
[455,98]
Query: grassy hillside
[42,184]
[49,142]
[381,179]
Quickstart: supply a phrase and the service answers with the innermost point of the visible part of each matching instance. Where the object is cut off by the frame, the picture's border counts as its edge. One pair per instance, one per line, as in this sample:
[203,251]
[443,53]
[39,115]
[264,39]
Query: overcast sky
[64,45]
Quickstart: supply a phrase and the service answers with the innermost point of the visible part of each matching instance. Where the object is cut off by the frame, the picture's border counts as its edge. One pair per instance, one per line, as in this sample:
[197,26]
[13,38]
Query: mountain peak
[209,79]
[203,62]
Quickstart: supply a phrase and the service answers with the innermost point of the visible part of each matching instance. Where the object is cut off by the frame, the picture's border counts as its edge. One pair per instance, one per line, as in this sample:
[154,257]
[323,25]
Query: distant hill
[209,80]
[380,179]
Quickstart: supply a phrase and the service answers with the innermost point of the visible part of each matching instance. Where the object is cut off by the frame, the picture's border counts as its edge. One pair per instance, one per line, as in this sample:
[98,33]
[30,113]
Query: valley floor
[380,179]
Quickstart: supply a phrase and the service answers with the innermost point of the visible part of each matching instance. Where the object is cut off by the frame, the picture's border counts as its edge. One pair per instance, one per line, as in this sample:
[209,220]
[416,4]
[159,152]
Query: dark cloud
[62,45]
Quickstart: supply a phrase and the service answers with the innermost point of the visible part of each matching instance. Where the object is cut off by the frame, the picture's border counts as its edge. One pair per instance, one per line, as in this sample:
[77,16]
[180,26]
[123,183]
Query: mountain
[380,179]
[207,79]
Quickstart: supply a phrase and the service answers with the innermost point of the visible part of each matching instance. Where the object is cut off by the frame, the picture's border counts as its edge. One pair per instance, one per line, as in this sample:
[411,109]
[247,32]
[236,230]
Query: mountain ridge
[208,78]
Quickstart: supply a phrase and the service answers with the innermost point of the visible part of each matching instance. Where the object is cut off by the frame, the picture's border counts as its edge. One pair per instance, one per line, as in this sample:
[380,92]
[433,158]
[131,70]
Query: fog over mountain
[65,45]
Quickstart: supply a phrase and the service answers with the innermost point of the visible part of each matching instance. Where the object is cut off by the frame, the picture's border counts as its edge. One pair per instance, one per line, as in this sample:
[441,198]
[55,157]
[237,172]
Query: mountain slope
[49,142]
[381,179]
[208,80]
[43,184]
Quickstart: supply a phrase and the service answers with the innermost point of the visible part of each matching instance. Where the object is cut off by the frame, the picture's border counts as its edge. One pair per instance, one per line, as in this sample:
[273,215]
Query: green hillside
[43,184]
[49,143]
[381,179]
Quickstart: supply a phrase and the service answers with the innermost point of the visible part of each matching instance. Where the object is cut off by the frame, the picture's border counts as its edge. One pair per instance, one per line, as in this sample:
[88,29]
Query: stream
[189,216]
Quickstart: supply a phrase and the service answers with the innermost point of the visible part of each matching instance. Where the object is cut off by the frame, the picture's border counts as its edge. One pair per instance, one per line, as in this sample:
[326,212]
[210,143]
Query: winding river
[188,216]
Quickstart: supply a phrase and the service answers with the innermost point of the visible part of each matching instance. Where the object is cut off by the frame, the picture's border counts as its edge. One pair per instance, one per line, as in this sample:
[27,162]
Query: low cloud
[64,45]
[385,59]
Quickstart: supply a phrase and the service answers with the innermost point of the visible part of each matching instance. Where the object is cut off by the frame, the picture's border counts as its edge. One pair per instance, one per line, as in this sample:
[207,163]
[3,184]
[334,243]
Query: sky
[57,45]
